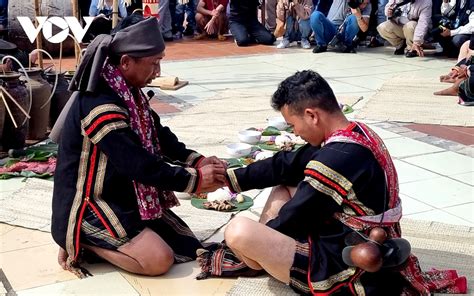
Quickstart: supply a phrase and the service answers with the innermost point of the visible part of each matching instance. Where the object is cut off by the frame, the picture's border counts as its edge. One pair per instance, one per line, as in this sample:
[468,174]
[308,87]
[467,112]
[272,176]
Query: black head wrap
[142,39]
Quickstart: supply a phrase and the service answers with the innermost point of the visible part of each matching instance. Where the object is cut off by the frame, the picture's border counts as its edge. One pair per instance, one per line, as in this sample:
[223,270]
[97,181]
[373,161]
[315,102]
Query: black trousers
[247,32]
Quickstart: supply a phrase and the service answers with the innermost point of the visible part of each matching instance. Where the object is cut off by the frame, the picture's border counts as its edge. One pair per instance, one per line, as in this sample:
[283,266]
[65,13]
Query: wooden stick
[9,111]
[61,56]
[75,12]
[39,39]
[4,91]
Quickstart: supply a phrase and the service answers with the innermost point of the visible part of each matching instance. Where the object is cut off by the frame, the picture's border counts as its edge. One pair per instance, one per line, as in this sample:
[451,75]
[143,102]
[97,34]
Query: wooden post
[39,38]
[115,13]
[75,13]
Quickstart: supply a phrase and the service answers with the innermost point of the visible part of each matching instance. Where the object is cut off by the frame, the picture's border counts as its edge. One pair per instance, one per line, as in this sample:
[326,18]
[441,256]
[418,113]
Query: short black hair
[305,89]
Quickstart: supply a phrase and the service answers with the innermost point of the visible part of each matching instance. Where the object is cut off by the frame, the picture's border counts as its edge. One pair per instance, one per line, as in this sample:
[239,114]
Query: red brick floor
[463,135]
[187,49]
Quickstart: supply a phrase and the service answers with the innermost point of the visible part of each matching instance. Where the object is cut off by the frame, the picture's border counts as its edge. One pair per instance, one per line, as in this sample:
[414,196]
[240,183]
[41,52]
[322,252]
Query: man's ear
[312,115]
[125,62]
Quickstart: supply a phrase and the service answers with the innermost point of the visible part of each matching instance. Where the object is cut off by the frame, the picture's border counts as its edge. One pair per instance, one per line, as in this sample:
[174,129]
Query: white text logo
[64,24]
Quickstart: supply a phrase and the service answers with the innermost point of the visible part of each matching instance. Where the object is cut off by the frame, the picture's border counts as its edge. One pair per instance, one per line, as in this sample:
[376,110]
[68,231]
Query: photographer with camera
[295,15]
[344,20]
[454,26]
[407,25]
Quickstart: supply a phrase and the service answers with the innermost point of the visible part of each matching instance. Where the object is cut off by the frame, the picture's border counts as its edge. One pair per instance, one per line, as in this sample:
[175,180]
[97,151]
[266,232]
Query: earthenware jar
[40,106]
[60,97]
[11,136]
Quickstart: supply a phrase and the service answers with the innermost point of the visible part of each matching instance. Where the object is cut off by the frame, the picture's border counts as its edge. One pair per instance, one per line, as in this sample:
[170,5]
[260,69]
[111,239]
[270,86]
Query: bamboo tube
[75,13]
[115,13]
[9,111]
[39,39]
[4,91]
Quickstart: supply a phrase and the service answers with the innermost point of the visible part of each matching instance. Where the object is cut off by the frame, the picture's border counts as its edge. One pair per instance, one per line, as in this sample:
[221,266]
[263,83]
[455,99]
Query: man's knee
[409,28]
[237,232]
[243,41]
[267,39]
[383,28]
[161,263]
[317,16]
[458,40]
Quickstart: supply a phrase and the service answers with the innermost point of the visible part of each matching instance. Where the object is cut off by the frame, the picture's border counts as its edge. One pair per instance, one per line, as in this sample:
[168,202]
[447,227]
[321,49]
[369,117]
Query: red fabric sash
[423,283]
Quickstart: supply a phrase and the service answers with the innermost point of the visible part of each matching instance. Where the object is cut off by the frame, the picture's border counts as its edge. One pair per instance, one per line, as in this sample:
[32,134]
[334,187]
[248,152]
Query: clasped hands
[213,171]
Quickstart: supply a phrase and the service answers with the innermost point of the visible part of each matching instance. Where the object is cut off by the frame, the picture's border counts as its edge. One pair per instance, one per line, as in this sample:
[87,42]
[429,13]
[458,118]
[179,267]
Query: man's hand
[419,50]
[356,12]
[215,12]
[390,11]
[212,177]
[210,28]
[62,257]
[212,160]
[446,32]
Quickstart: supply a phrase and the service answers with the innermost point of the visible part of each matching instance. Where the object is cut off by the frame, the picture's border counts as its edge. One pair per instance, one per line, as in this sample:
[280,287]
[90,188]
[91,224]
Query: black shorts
[299,269]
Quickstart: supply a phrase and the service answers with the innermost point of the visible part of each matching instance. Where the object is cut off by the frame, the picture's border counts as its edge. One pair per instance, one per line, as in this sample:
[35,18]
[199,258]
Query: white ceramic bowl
[238,149]
[278,122]
[250,136]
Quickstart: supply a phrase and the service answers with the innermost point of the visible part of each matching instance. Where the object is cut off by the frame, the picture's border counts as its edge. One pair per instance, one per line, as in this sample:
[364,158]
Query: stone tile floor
[436,172]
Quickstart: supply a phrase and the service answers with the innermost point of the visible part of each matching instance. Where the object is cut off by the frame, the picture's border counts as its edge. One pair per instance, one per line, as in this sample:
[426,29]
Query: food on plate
[219,205]
[240,198]
[220,194]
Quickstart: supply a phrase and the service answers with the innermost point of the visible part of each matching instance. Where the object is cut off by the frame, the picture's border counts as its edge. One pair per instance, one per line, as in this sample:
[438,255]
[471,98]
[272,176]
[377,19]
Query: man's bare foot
[450,91]
[221,37]
[62,257]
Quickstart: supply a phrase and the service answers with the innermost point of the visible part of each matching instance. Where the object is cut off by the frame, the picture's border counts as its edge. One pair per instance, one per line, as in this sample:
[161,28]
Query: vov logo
[46,24]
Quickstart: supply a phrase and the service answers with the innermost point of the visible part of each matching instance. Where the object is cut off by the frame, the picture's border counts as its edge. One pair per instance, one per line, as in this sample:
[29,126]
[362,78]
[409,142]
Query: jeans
[325,30]
[165,18]
[178,19]
[322,6]
[4,13]
[251,31]
[303,32]
[381,17]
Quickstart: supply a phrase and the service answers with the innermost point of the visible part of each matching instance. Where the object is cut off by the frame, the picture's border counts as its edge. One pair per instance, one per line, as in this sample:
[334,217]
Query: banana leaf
[271,131]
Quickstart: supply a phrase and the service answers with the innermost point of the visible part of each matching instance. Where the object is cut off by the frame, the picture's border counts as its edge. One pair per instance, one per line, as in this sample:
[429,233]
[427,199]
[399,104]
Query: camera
[396,13]
[355,3]
[444,22]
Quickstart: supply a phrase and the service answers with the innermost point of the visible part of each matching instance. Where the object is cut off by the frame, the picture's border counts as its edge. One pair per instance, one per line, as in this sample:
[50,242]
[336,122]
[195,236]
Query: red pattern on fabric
[102,119]
[424,283]
[101,218]
[91,173]
[326,181]
[151,200]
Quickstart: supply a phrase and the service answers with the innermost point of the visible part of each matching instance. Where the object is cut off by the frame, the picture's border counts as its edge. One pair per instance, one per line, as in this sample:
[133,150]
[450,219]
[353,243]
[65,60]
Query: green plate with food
[247,203]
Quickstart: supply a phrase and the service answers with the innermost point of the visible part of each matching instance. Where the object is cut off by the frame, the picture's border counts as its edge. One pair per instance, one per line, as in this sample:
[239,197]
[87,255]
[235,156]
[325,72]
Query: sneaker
[188,31]
[178,35]
[305,43]
[320,48]
[411,54]
[347,49]
[168,38]
[283,44]
[400,50]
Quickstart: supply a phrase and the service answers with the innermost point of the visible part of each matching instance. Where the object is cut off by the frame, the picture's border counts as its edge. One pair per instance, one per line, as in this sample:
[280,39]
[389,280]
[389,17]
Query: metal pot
[60,97]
